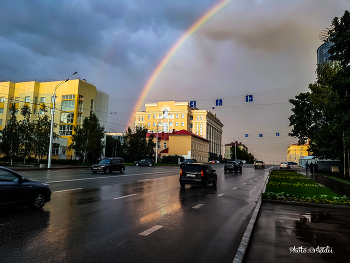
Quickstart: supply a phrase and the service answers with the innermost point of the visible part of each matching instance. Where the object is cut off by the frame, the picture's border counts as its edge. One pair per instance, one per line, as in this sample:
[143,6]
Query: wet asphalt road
[140,216]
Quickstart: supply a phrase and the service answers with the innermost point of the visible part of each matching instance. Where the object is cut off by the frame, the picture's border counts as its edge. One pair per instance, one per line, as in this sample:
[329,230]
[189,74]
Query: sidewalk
[286,232]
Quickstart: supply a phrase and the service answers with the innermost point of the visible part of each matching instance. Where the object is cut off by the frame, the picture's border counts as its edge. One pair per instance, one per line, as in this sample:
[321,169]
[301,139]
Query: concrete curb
[246,237]
[305,204]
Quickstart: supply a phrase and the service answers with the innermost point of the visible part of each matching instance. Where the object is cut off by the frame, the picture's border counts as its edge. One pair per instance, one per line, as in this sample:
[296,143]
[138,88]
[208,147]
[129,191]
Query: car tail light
[202,174]
[181,172]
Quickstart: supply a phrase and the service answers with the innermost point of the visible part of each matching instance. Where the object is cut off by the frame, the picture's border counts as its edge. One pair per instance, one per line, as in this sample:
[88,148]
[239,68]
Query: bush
[171,159]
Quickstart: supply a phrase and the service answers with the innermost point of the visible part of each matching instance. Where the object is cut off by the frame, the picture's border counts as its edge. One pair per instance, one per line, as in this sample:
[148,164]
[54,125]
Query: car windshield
[105,161]
[192,168]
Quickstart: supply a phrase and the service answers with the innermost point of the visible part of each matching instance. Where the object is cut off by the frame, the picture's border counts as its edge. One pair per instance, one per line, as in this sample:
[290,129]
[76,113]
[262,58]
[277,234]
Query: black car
[145,161]
[186,161]
[16,190]
[197,174]
[109,165]
[231,166]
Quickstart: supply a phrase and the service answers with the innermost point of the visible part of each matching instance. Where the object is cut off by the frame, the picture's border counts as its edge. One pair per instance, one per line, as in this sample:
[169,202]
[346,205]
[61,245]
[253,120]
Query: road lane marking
[94,178]
[197,206]
[244,183]
[121,243]
[67,190]
[234,188]
[151,230]
[220,194]
[123,196]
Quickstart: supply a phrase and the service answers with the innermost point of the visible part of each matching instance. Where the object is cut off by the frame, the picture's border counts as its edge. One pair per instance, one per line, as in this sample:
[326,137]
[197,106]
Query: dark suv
[145,161]
[109,165]
[197,174]
[231,166]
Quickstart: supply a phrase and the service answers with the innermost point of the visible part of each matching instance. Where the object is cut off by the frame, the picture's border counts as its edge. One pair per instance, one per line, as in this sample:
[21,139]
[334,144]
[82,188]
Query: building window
[67,105]
[170,124]
[143,118]
[1,110]
[79,118]
[191,118]
[92,105]
[154,124]
[27,99]
[164,145]
[67,117]
[36,100]
[149,124]
[41,112]
[149,116]
[2,99]
[139,118]
[191,125]
[182,124]
[66,129]
[197,117]
[182,116]
[16,99]
[1,122]
[176,124]
[68,97]
[142,126]
[42,99]
[80,106]
[154,117]
[158,145]
[177,116]
[201,117]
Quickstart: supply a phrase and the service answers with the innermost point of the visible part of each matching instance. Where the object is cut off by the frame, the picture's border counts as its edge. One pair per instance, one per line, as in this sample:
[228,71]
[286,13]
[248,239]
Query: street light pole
[52,119]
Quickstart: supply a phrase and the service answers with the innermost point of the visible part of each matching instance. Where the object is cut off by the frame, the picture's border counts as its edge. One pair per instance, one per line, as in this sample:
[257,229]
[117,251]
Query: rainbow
[171,52]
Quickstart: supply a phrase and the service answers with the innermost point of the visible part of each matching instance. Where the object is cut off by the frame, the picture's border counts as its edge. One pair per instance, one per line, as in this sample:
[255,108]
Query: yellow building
[295,151]
[75,99]
[171,116]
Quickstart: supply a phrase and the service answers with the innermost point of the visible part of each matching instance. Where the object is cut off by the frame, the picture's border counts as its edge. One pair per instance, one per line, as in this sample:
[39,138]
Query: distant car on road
[108,165]
[285,165]
[145,161]
[16,190]
[292,163]
[231,166]
[214,161]
[259,164]
[197,174]
[186,161]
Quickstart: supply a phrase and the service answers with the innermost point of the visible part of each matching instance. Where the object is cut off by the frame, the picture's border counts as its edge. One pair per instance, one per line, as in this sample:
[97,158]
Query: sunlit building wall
[295,151]
[75,99]
[169,116]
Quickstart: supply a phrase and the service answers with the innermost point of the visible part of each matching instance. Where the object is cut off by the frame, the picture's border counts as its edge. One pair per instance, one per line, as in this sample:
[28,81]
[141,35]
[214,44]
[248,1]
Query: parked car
[214,161]
[197,174]
[108,165]
[243,161]
[16,190]
[145,161]
[259,164]
[231,166]
[284,165]
[186,161]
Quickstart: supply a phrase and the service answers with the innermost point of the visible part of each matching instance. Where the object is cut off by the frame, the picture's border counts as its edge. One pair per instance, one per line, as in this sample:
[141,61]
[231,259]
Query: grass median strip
[292,186]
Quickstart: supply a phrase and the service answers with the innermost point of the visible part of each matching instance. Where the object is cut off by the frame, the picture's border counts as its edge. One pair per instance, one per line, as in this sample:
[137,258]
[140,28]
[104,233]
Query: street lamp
[52,118]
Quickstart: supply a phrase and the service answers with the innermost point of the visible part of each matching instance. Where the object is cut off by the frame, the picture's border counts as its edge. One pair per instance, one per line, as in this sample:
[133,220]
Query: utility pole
[157,144]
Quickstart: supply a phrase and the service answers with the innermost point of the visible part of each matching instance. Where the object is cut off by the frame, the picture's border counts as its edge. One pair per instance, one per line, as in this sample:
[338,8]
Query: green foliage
[172,159]
[242,154]
[113,147]
[87,141]
[136,146]
[10,135]
[26,131]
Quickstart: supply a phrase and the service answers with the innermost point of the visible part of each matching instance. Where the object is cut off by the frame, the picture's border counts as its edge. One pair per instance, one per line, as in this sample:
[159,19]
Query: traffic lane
[84,216]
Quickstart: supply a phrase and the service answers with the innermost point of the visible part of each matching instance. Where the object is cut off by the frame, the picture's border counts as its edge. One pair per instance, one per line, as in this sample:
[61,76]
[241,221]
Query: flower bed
[292,186]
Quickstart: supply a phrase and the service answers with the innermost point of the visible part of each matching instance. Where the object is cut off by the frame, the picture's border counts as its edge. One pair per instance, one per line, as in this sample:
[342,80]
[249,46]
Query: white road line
[197,206]
[67,190]
[151,230]
[234,188]
[121,243]
[94,178]
[124,196]
[244,183]
[220,194]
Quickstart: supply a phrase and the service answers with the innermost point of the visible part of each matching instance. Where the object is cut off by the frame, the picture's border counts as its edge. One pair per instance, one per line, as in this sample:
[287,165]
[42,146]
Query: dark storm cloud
[118,32]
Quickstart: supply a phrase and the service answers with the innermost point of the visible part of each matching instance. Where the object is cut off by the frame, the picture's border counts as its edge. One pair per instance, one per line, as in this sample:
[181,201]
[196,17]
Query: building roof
[184,132]
[165,150]
[161,135]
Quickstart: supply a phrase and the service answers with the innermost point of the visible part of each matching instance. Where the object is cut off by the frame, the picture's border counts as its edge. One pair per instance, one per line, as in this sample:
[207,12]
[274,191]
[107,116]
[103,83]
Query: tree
[41,134]
[242,154]
[136,146]
[87,140]
[113,147]
[26,132]
[10,136]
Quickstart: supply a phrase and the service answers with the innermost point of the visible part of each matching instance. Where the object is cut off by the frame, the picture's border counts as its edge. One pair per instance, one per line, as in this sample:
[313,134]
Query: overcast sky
[262,47]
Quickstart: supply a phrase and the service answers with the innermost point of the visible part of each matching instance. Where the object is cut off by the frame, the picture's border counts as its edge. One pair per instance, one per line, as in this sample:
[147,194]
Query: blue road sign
[260,135]
[277,134]
[249,98]
[193,103]
[246,135]
[219,102]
